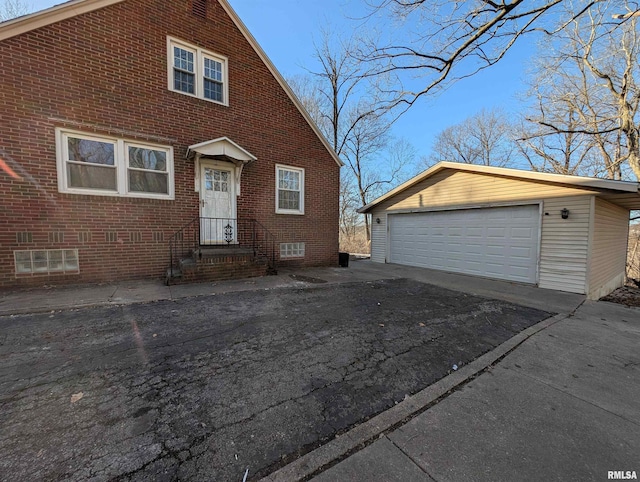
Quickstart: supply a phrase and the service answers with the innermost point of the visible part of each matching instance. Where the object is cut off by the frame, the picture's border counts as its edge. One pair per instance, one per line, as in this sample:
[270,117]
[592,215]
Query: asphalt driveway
[203,388]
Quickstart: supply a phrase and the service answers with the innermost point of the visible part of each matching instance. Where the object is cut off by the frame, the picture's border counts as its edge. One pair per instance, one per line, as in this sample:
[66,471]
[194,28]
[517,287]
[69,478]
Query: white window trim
[199,56]
[121,166]
[290,211]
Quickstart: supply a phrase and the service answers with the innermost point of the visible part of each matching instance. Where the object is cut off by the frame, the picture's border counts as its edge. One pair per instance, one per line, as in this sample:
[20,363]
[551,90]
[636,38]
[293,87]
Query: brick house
[142,135]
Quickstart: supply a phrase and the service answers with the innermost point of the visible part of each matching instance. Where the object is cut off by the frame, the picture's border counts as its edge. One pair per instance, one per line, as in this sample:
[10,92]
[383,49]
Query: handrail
[177,248]
[201,232]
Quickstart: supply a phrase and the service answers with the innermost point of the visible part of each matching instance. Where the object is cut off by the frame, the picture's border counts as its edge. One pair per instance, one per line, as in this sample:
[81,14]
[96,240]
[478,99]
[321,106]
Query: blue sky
[286,30]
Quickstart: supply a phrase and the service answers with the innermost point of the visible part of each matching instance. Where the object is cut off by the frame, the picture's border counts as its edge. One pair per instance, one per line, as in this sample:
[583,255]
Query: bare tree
[13,8]
[343,100]
[484,138]
[548,136]
[587,98]
[439,41]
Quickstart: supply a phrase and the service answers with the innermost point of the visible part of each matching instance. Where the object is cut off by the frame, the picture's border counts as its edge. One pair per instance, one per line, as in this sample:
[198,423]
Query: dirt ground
[627,295]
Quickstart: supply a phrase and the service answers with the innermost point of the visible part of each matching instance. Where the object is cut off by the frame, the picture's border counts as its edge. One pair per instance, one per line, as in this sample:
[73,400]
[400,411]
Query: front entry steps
[214,263]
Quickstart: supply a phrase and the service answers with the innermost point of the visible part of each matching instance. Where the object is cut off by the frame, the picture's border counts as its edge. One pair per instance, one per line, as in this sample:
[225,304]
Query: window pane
[71,260]
[184,82]
[208,177]
[40,263]
[92,177]
[288,200]
[213,70]
[141,181]
[23,262]
[55,260]
[182,59]
[213,90]
[142,158]
[289,180]
[93,152]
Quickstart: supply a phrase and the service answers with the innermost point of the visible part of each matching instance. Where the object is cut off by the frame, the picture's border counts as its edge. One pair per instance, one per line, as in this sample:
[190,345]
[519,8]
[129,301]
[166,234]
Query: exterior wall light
[377,220]
[564,213]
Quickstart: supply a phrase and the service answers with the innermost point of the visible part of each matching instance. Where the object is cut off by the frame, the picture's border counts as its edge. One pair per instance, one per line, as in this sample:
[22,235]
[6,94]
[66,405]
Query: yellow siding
[378,236]
[459,188]
[609,249]
[564,244]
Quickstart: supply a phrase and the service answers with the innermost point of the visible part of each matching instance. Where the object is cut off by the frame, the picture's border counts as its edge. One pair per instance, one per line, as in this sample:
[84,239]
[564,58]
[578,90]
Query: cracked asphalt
[204,388]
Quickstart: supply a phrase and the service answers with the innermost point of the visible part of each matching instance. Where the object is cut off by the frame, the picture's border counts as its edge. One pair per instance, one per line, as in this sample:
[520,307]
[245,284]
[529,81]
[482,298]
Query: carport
[567,233]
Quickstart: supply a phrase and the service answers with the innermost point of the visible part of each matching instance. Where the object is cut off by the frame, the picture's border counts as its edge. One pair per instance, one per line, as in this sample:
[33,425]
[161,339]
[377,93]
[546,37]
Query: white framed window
[292,250]
[289,190]
[197,72]
[45,261]
[108,166]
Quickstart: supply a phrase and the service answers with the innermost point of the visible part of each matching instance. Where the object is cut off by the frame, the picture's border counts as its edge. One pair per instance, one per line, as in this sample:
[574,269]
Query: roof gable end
[593,184]
[73,8]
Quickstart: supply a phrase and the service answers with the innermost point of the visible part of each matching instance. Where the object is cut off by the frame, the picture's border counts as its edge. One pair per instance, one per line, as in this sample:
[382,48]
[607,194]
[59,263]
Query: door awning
[222,149]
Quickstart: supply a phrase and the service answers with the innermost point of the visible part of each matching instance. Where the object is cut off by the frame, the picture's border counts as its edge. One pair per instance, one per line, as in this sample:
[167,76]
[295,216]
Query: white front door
[217,205]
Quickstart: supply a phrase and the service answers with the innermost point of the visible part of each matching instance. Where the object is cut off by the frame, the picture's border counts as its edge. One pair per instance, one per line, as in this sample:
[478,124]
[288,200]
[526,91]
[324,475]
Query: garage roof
[624,193]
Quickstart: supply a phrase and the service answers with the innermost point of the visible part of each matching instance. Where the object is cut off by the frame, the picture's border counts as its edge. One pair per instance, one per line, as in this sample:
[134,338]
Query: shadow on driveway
[204,388]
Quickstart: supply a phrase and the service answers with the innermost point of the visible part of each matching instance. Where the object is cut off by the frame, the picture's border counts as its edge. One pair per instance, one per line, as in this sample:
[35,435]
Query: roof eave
[586,182]
[57,13]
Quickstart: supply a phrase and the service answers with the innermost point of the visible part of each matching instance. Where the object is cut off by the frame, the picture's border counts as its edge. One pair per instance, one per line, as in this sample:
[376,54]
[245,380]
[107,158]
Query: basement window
[292,250]
[46,261]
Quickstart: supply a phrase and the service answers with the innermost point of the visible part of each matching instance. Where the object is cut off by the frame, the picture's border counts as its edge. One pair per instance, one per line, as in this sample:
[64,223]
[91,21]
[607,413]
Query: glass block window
[289,190]
[196,72]
[46,261]
[292,250]
[89,164]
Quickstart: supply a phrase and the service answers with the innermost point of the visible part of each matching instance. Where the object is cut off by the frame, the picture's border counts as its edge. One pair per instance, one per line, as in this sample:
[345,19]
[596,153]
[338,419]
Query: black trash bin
[343,260]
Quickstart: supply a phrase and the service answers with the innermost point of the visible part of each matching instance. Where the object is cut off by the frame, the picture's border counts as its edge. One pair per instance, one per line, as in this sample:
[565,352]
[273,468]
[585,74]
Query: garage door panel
[493,242]
[522,233]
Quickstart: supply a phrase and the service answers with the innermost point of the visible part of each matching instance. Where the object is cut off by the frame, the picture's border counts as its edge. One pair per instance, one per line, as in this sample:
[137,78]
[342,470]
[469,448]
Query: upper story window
[194,71]
[289,190]
[108,166]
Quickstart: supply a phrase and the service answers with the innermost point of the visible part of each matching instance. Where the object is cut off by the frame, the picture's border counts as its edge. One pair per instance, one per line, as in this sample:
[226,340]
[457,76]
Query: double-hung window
[197,72]
[289,190]
[109,166]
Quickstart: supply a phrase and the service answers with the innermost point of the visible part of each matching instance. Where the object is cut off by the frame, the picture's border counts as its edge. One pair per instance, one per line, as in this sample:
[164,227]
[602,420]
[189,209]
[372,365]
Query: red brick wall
[106,72]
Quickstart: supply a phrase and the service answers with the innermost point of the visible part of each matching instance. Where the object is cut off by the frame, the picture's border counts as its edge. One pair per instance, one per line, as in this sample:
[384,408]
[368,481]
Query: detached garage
[560,232]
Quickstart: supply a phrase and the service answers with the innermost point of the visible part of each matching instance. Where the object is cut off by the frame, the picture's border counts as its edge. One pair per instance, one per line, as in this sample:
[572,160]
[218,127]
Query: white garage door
[493,242]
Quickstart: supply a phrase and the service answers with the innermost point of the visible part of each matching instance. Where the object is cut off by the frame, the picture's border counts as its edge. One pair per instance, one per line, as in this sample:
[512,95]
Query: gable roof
[72,8]
[604,185]
[222,147]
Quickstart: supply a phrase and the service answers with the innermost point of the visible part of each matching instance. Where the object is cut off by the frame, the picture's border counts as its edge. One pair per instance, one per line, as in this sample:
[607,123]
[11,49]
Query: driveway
[204,388]
[562,406]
